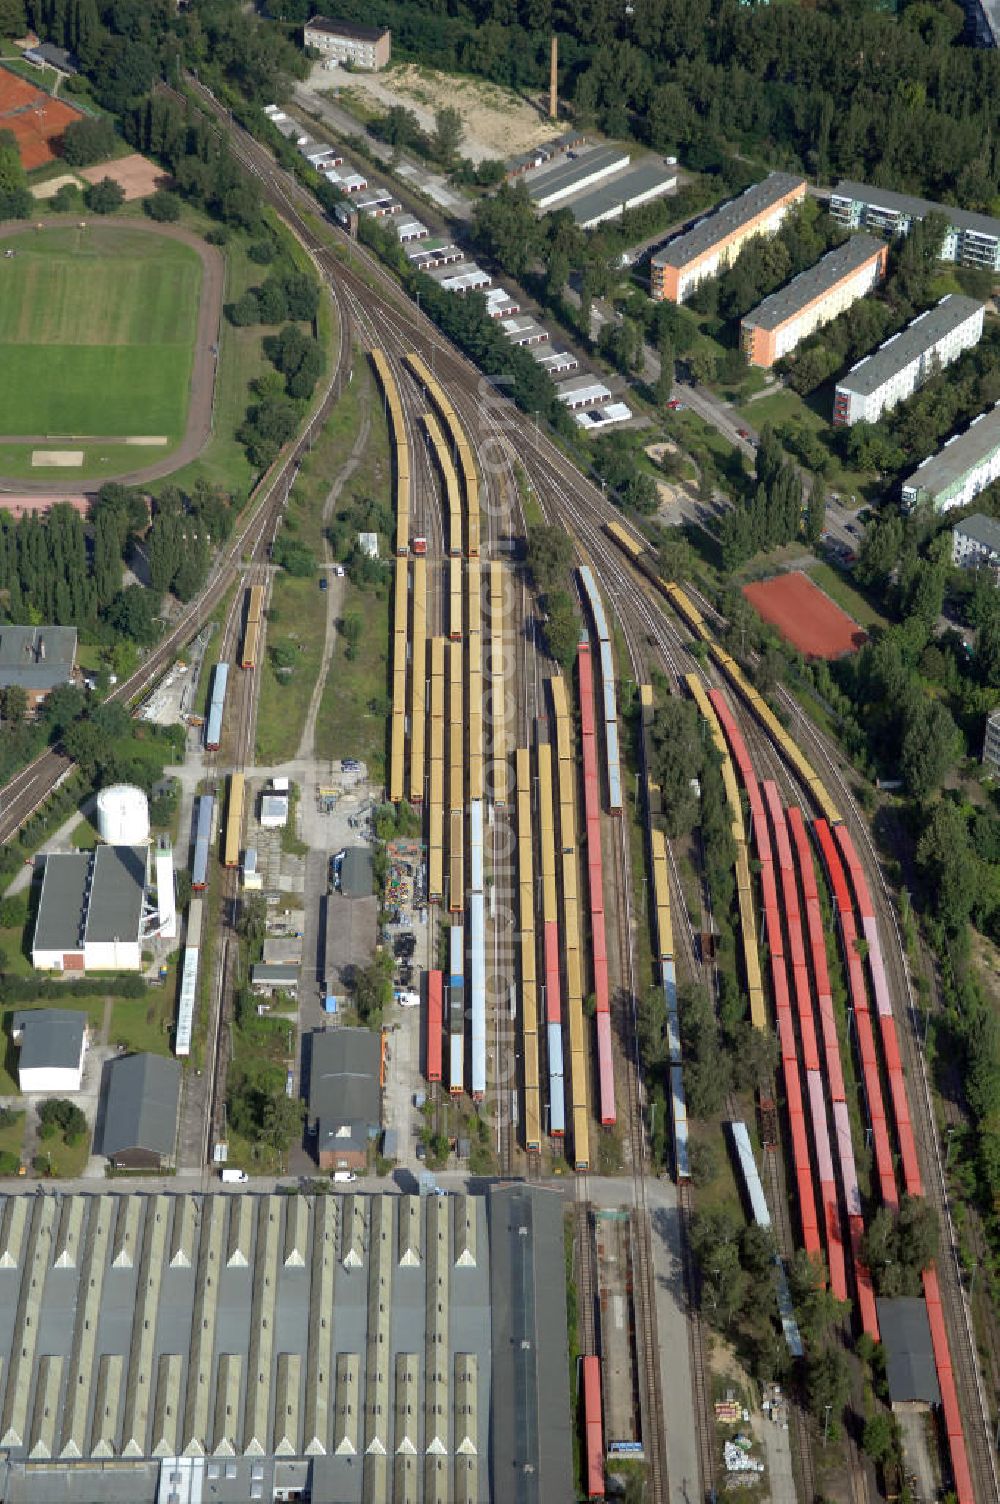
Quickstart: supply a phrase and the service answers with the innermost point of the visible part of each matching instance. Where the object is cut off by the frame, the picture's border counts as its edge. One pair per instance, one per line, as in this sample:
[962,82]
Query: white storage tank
[123,815]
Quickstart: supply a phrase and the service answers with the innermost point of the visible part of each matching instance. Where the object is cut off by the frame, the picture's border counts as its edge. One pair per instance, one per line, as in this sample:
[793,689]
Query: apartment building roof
[352,29]
[909,344]
[916,208]
[814,282]
[727,220]
[981,529]
[940,471]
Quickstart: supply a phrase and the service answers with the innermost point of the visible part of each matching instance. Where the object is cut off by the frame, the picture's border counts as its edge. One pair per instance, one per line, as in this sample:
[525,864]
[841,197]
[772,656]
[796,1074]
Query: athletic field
[805,615]
[97,334]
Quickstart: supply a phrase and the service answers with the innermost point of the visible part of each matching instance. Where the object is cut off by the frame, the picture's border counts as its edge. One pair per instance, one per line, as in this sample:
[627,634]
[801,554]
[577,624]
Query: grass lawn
[845,595]
[12,1137]
[345,726]
[67,1161]
[97,333]
[223,461]
[786,408]
[143,1023]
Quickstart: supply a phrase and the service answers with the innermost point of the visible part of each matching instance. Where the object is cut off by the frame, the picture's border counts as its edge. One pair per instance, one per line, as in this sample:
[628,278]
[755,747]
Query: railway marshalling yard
[548,907]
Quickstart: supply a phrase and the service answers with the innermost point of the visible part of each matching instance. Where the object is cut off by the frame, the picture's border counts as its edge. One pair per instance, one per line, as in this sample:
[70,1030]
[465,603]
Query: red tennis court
[804,615]
[34,118]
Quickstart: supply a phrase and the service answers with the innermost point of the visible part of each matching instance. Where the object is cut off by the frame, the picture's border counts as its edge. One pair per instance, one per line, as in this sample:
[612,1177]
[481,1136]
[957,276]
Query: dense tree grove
[772,516]
[842,87]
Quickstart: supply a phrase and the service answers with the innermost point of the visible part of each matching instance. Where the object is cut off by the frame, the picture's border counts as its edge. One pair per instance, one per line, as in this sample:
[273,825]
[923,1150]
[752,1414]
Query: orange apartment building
[812,299]
[715,241]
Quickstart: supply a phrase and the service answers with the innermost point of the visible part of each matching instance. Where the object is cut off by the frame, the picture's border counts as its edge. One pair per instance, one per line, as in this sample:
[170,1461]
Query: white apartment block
[971,239]
[967,464]
[975,542]
[366,47]
[899,367]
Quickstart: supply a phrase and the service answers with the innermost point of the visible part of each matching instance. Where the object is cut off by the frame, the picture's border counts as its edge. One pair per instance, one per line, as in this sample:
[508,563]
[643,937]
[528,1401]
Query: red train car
[862,1017]
[435,982]
[593,1426]
[595,885]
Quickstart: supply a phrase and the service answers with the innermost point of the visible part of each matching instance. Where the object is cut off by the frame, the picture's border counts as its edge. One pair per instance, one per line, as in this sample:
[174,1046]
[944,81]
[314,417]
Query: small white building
[52,1042]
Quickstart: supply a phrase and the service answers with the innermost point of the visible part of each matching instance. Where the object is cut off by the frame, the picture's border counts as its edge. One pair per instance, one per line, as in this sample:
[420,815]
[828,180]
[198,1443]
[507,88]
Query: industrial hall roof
[52,1038]
[140,1094]
[36,658]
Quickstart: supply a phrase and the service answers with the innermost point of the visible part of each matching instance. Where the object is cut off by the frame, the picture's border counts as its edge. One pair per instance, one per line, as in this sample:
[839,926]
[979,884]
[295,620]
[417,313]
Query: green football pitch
[97,333]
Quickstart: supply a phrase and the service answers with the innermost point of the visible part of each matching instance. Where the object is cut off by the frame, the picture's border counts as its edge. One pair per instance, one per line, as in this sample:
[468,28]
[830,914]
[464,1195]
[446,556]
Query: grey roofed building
[909,206]
[637,185]
[808,286]
[726,221]
[276,975]
[50,1038]
[61,908]
[925,331]
[118,885]
[36,658]
[344,1094]
[356,873]
[532,1451]
[54,57]
[556,180]
[981,531]
[138,1123]
[906,1337]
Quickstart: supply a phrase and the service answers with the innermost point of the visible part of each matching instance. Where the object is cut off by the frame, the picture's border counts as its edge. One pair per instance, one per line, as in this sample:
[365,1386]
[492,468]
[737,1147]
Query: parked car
[324,583]
[675,405]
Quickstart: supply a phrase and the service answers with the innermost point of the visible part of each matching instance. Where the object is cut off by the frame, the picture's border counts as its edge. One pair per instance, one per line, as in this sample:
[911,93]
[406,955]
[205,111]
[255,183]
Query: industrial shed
[344,1096]
[90,912]
[53,1042]
[910,1368]
[137,1119]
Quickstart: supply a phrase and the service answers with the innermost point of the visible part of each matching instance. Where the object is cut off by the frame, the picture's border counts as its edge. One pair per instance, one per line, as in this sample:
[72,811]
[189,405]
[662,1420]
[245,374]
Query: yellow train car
[253,628]
[449,479]
[547,841]
[234,820]
[529,973]
[435,832]
[625,540]
[532,1096]
[661,895]
[459,444]
[456,728]
[498,686]
[418,680]
[581,1136]
[397,735]
[397,427]
[456,860]
[455,599]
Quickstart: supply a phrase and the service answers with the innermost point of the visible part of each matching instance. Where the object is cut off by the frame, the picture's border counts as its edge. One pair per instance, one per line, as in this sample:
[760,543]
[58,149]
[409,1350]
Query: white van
[235,1177]
[343,1177]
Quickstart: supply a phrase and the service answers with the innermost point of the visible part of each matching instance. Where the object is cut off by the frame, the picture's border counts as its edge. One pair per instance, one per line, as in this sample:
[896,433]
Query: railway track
[543,463]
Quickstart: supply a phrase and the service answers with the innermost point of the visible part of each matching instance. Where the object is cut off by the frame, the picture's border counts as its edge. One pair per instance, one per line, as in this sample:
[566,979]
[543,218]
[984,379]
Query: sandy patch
[498,122]
[57,459]
[147,439]
[137,175]
[51,188]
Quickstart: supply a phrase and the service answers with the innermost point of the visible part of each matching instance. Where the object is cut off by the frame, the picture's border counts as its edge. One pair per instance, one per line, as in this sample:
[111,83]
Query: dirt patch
[57,459]
[51,188]
[40,506]
[497,122]
[805,616]
[137,175]
[34,118]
